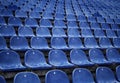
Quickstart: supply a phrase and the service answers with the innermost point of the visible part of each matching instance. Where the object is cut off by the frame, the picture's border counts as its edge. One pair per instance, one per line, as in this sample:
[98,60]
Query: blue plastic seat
[58,43]
[2,21]
[59,24]
[115,27]
[21,14]
[45,23]
[116,42]
[26,77]
[25,32]
[34,15]
[43,32]
[6,13]
[3,44]
[47,15]
[73,32]
[37,9]
[117,21]
[94,26]
[70,17]
[39,43]
[72,24]
[10,61]
[78,57]
[35,59]
[118,33]
[2,79]
[113,55]
[109,20]
[7,31]
[90,42]
[100,20]
[99,33]
[59,59]
[105,43]
[97,56]
[105,75]
[110,34]
[59,16]
[56,76]
[31,22]
[81,18]
[58,32]
[82,75]
[19,43]
[118,72]
[86,33]
[14,21]
[105,26]
[75,43]
[91,19]
[84,25]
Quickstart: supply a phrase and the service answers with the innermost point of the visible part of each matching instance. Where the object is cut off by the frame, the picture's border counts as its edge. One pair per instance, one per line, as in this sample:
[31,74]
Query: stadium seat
[31,22]
[75,43]
[21,14]
[91,19]
[84,25]
[118,33]
[26,77]
[39,43]
[118,72]
[113,55]
[99,33]
[2,21]
[3,45]
[73,32]
[25,32]
[110,34]
[90,42]
[116,42]
[10,61]
[105,26]
[2,79]
[7,31]
[109,20]
[115,27]
[105,75]
[34,15]
[43,32]
[58,43]
[100,20]
[78,57]
[117,21]
[81,18]
[59,59]
[105,43]
[59,16]
[6,13]
[47,16]
[97,57]
[94,25]
[72,24]
[58,32]
[82,75]
[19,43]
[14,21]
[35,59]
[70,17]
[45,23]
[56,76]
[59,24]
[86,33]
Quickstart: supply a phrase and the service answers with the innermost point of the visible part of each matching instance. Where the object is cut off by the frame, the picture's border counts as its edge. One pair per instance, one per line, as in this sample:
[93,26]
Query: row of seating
[21,43]
[79,75]
[8,31]
[34,59]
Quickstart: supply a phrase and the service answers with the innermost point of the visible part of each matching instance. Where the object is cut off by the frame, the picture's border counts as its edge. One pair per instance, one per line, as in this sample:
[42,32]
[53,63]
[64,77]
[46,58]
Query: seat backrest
[105,42]
[99,33]
[86,33]
[105,75]
[56,76]
[82,75]
[84,25]
[45,23]
[57,56]
[3,44]
[116,42]
[58,32]
[34,57]
[9,57]
[2,79]
[118,72]
[31,22]
[25,31]
[72,24]
[14,21]
[26,77]
[7,31]
[59,24]
[73,32]
[110,33]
